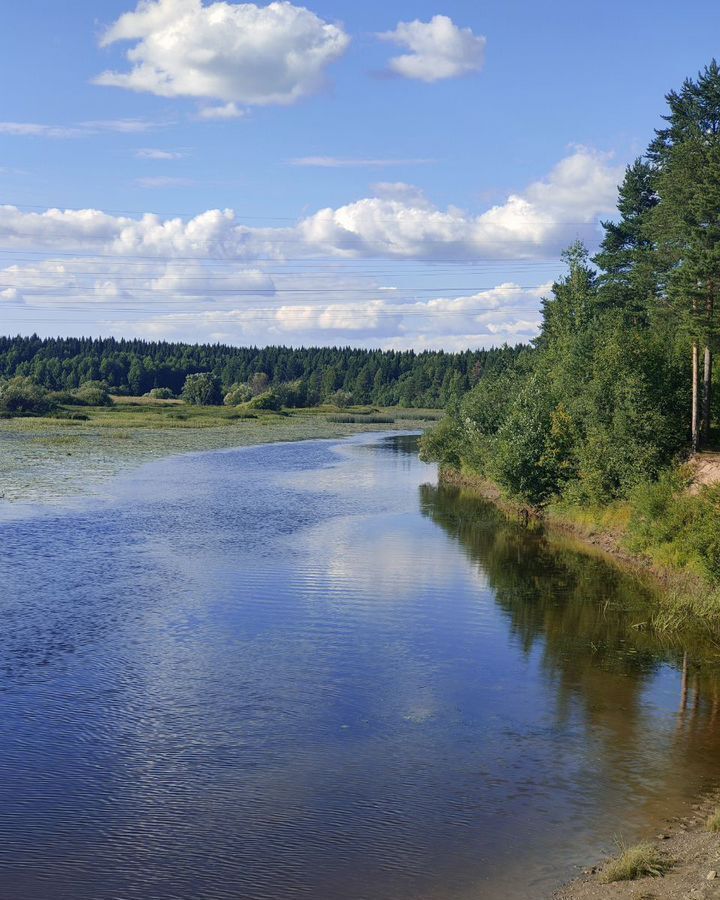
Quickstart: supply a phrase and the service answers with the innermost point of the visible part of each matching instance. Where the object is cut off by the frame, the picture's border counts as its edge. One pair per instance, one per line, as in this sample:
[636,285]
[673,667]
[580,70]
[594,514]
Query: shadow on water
[590,621]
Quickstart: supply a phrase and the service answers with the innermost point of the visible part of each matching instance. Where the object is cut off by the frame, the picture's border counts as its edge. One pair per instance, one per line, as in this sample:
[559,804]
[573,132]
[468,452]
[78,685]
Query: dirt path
[686,840]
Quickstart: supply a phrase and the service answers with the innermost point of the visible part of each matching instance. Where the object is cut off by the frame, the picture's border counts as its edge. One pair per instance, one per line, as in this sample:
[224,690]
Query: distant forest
[385,378]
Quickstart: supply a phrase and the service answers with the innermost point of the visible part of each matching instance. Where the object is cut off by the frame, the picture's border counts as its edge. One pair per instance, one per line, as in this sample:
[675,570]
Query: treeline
[385,378]
[619,384]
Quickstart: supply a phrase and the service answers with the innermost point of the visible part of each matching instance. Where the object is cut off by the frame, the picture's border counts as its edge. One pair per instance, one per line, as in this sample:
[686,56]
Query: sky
[394,175]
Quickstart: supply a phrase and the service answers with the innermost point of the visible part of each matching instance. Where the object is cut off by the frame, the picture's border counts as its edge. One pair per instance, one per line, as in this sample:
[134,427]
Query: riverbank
[686,600]
[685,839]
[52,458]
[691,850]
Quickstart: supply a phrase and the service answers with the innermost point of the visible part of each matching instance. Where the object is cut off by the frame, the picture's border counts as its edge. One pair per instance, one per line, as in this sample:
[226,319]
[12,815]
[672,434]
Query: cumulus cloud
[399,224]
[506,313]
[438,49]
[230,52]
[212,277]
[542,219]
[88,280]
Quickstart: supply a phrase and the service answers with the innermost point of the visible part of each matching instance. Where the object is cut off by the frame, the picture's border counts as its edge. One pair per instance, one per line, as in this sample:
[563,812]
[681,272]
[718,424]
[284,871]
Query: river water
[305,671]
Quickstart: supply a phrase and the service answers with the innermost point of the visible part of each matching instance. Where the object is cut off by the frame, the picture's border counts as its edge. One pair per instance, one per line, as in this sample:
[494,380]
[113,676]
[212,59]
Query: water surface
[304,671]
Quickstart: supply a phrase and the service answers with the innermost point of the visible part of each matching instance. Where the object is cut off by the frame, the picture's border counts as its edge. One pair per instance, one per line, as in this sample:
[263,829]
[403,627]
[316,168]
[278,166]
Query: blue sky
[453,150]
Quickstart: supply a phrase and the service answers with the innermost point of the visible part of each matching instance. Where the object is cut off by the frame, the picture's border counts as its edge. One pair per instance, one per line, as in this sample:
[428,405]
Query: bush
[22,396]
[202,389]
[238,393]
[92,393]
[675,527]
[443,443]
[341,399]
[161,393]
[268,400]
[62,397]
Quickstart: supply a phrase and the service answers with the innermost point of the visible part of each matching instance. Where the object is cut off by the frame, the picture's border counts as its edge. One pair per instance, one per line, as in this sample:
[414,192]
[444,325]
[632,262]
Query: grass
[713,822]
[638,861]
[53,457]
[356,420]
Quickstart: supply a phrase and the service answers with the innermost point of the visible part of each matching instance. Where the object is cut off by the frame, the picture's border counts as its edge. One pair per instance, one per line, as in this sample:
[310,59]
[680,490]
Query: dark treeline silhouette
[387,378]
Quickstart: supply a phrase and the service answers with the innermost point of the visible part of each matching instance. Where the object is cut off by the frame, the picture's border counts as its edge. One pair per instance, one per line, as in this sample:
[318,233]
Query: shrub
[238,393]
[92,393]
[161,393]
[341,399]
[202,389]
[713,822]
[268,400]
[62,397]
[22,396]
[675,527]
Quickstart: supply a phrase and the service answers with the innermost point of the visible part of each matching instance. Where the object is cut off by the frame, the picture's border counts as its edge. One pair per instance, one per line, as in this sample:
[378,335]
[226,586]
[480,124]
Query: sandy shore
[695,873]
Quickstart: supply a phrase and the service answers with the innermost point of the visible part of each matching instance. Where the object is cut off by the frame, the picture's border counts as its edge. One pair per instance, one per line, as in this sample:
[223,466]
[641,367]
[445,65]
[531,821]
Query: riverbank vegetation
[595,422]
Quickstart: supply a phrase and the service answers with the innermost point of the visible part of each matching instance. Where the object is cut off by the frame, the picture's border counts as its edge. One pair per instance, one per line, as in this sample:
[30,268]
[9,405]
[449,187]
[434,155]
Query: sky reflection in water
[304,671]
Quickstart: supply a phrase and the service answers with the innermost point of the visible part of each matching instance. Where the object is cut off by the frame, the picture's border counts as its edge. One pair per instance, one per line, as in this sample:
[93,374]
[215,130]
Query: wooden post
[707,394]
[695,428]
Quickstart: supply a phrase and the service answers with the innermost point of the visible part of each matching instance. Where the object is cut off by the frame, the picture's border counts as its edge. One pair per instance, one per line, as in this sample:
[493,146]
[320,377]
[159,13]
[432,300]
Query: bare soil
[706,469]
[695,874]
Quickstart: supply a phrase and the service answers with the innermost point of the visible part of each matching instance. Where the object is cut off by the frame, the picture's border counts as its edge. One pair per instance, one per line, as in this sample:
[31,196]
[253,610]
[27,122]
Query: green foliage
[92,393]
[598,407]
[675,527]
[269,400]
[384,378]
[202,389]
[161,393]
[238,393]
[22,396]
[341,399]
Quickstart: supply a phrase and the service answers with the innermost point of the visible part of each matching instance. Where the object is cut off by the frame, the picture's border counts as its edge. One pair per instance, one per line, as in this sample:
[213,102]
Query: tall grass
[639,861]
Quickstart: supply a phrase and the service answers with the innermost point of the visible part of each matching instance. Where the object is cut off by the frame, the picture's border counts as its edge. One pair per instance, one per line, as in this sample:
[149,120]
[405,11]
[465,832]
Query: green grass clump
[361,420]
[713,822]
[638,861]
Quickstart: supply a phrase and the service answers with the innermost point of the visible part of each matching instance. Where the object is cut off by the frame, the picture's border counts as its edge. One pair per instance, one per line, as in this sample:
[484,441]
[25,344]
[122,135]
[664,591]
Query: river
[305,671]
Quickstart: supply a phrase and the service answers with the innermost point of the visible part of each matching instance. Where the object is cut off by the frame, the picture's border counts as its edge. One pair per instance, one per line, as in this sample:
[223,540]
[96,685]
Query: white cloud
[236,53]
[400,190]
[35,129]
[227,111]
[335,162]
[88,280]
[533,224]
[82,129]
[211,277]
[506,313]
[545,217]
[154,153]
[439,49]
